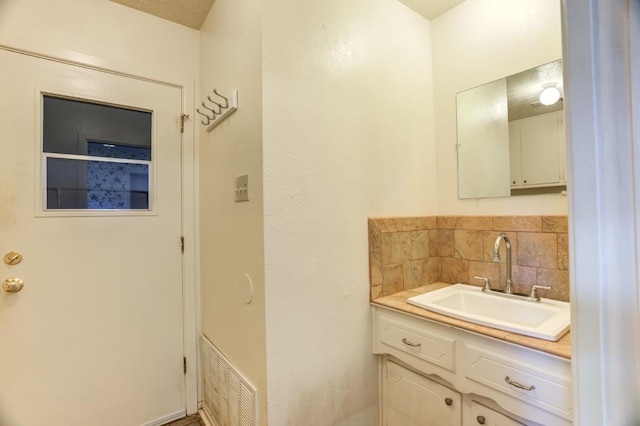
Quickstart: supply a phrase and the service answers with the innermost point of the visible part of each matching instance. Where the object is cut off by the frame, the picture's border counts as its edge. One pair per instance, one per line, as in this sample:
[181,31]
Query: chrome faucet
[496,258]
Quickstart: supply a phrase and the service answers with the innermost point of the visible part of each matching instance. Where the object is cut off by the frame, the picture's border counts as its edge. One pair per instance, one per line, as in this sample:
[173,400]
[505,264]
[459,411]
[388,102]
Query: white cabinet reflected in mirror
[511,135]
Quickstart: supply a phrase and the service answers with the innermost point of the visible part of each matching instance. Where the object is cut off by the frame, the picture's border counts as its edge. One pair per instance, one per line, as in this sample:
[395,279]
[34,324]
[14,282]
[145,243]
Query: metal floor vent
[229,399]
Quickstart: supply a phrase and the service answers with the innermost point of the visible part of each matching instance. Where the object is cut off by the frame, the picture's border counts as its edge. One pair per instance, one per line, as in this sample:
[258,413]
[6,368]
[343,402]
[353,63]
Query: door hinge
[184,365]
[182,118]
[182,244]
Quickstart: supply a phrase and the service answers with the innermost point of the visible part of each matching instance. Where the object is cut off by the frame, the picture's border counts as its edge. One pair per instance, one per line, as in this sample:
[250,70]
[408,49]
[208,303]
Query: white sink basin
[547,319]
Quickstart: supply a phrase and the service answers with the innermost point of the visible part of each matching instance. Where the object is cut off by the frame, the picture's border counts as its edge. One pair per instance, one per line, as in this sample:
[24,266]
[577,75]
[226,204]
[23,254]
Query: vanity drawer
[480,415]
[517,374]
[408,337]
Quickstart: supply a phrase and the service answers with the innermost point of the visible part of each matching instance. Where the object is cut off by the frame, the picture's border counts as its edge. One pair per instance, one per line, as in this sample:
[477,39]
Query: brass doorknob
[12,285]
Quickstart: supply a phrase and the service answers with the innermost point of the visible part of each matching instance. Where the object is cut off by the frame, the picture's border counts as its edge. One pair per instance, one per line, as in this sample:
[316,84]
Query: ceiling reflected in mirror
[524,90]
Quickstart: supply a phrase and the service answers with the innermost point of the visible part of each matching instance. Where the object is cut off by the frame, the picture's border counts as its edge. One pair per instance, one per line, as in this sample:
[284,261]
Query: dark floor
[187,421]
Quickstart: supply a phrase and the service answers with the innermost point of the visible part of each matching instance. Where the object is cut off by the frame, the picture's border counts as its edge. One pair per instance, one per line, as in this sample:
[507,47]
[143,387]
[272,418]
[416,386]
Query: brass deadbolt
[12,285]
[12,258]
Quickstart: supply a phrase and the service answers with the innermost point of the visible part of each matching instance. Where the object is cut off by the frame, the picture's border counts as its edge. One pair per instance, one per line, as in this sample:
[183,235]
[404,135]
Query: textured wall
[231,234]
[348,133]
[477,42]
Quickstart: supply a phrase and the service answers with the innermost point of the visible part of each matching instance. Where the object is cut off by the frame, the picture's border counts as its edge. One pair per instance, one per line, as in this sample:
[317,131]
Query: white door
[95,335]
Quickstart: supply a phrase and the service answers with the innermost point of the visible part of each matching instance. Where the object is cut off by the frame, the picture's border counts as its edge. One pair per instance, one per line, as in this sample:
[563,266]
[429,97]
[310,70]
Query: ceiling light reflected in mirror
[549,95]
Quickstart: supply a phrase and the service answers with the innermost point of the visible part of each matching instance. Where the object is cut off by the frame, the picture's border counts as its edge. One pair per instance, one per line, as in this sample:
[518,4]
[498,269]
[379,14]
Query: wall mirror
[511,135]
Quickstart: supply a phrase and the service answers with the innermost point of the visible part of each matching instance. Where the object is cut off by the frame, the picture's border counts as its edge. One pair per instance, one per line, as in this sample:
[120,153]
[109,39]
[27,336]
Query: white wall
[477,42]
[231,234]
[348,134]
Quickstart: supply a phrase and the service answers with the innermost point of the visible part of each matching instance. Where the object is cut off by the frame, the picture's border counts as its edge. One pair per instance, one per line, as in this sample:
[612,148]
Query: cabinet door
[410,399]
[540,150]
[514,154]
[481,415]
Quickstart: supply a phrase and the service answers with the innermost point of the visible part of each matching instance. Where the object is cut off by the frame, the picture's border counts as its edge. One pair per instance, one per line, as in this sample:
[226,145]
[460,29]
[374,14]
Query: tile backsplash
[408,252]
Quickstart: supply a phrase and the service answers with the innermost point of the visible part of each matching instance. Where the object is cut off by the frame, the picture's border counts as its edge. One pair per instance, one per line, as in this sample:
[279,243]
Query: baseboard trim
[208,421]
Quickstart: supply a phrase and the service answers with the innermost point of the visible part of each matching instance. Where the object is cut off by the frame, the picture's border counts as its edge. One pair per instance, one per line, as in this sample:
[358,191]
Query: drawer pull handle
[518,385]
[408,343]
[481,420]
[448,401]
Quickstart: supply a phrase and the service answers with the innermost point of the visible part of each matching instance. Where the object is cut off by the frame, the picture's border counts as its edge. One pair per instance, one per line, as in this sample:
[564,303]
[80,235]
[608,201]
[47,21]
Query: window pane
[70,125]
[103,185]
[120,141]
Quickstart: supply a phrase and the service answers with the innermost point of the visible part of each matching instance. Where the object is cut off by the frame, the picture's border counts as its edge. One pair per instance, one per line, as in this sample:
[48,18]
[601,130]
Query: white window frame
[41,209]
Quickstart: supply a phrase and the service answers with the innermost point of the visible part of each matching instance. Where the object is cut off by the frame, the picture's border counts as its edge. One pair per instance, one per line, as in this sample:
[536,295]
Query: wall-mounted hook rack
[218,109]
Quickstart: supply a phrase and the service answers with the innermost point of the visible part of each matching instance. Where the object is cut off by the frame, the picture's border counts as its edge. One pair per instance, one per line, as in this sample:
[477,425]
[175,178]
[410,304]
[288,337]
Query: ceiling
[431,9]
[192,13]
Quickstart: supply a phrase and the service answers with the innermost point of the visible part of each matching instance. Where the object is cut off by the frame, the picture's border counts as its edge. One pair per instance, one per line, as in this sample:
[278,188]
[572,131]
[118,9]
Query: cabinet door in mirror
[499,145]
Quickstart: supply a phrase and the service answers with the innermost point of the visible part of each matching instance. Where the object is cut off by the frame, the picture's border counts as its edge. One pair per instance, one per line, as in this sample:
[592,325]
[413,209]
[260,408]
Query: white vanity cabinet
[412,399]
[537,151]
[424,365]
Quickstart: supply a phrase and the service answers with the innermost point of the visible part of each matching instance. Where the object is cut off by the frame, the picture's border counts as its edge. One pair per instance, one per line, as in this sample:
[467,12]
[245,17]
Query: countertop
[398,302]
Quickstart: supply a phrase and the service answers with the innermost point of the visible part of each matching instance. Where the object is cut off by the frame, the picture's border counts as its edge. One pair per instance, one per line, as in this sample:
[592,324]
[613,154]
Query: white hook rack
[217,110]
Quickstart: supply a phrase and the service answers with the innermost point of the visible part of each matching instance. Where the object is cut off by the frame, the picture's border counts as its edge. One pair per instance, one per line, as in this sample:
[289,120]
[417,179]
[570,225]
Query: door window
[96,156]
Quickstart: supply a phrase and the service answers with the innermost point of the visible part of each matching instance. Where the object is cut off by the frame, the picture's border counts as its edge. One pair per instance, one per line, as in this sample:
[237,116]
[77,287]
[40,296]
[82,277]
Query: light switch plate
[242,188]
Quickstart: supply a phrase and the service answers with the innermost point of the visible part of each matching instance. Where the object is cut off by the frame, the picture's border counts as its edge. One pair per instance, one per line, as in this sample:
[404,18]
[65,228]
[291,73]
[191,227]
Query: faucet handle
[487,284]
[534,295]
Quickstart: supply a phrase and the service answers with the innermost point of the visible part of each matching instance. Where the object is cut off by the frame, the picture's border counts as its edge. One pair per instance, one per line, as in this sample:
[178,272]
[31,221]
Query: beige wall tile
[454,270]
[484,269]
[376,291]
[418,223]
[396,247]
[387,224]
[522,278]
[517,223]
[432,222]
[490,240]
[374,223]
[559,282]
[538,249]
[468,244]
[446,222]
[446,244]
[392,279]
[563,251]
[465,222]
[430,270]
[474,222]
[433,242]
[555,224]
[375,255]
[412,274]
[420,248]
[407,252]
